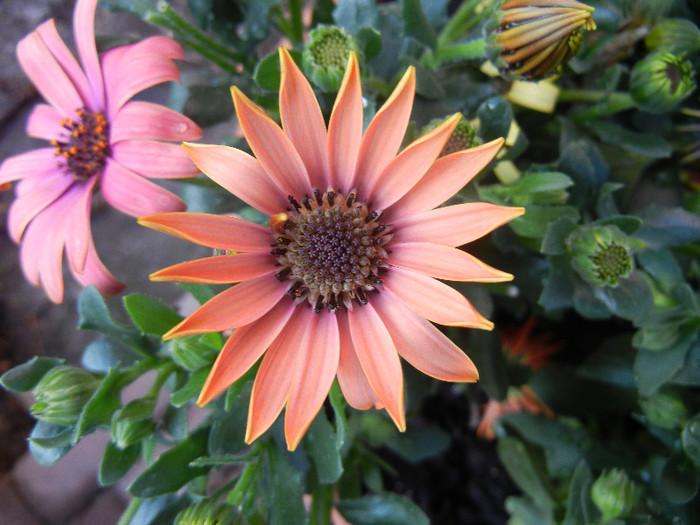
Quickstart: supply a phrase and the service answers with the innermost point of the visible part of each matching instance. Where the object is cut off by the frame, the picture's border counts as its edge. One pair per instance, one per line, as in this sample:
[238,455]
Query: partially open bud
[62,393]
[677,35]
[602,255]
[661,81]
[325,56]
[132,423]
[530,39]
[208,513]
[664,409]
[615,494]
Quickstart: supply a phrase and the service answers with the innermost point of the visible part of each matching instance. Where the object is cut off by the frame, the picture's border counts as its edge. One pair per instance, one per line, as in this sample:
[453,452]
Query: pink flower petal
[272,147]
[220,269]
[149,158]
[453,225]
[37,162]
[84,34]
[302,120]
[433,300]
[380,362]
[239,173]
[237,306]
[410,165]
[423,345]
[445,177]
[215,231]
[243,349]
[351,378]
[145,120]
[271,387]
[134,195]
[384,134]
[315,371]
[95,273]
[47,75]
[77,219]
[70,65]
[444,262]
[44,122]
[35,182]
[345,128]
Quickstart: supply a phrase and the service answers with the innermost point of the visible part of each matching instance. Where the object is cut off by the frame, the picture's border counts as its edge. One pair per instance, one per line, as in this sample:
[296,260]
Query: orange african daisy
[345,280]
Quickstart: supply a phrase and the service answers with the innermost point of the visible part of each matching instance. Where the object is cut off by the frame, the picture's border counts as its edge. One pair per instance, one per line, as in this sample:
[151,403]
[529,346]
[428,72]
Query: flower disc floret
[85,144]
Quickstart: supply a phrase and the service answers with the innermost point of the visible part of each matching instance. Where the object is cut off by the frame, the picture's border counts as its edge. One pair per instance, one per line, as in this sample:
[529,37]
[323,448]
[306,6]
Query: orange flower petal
[220,269]
[445,177]
[410,165]
[384,134]
[351,378]
[215,231]
[345,128]
[434,300]
[315,372]
[243,349]
[238,306]
[272,147]
[379,360]
[239,173]
[444,262]
[454,225]
[302,120]
[423,345]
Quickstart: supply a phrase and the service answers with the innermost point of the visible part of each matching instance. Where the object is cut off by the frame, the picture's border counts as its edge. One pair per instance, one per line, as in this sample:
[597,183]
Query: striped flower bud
[661,81]
[208,512]
[62,393]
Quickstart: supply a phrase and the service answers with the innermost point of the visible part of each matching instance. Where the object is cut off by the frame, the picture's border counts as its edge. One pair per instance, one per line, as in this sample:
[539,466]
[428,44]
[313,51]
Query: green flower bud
[664,409]
[661,81]
[62,393]
[325,56]
[208,513]
[132,423]
[530,40]
[601,254]
[614,494]
[463,137]
[677,35]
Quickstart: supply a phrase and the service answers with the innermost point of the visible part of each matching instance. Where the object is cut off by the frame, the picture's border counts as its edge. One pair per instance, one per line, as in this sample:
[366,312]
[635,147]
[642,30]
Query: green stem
[296,26]
[164,372]
[463,20]
[321,506]
[130,511]
[604,103]
[466,51]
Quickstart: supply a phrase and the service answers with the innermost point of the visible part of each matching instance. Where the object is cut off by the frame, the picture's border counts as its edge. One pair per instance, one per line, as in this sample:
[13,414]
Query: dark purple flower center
[85,143]
[331,247]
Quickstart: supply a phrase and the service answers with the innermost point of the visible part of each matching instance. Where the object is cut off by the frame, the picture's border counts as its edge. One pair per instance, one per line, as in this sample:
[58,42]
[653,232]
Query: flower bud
[463,137]
[614,493]
[661,81]
[664,409]
[602,254]
[207,512]
[62,393]
[132,423]
[531,39]
[677,35]
[325,56]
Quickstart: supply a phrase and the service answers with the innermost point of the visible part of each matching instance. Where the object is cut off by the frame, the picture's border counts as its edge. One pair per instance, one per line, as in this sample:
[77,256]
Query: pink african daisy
[346,279]
[98,140]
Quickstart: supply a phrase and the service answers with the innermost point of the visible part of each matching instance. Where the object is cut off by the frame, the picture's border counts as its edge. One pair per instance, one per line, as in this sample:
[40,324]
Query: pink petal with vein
[423,345]
[271,387]
[145,120]
[239,173]
[351,378]
[84,34]
[410,165]
[77,223]
[302,120]
[379,360]
[44,122]
[445,177]
[345,128]
[433,300]
[315,372]
[38,180]
[47,75]
[237,306]
[215,231]
[444,262]
[220,269]
[454,225]
[37,162]
[134,195]
[95,273]
[272,147]
[161,160]
[243,349]
[27,206]
[384,134]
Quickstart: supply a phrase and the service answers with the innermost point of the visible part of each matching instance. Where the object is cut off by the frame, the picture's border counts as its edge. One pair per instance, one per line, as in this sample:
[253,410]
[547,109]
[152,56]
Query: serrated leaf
[26,376]
[150,315]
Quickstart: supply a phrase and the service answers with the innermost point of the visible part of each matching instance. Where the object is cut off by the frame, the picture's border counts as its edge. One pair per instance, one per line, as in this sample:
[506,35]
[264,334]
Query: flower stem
[321,505]
[467,16]
[605,103]
[130,511]
[296,26]
[466,51]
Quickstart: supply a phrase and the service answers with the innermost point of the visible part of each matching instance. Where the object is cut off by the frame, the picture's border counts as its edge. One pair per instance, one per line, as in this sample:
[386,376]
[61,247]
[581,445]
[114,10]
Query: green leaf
[580,508]
[630,299]
[355,14]
[201,292]
[559,285]
[220,461]
[519,464]
[321,444]
[495,116]
[690,438]
[647,144]
[116,462]
[208,105]
[50,434]
[104,354]
[191,389]
[150,315]
[653,369]
[285,491]
[419,442]
[416,23]
[533,224]
[101,405]
[664,227]
[382,509]
[525,512]
[267,72]
[582,161]
[172,468]
[554,240]
[371,42]
[157,511]
[228,428]
[26,376]
[680,479]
